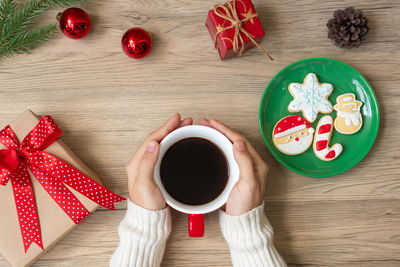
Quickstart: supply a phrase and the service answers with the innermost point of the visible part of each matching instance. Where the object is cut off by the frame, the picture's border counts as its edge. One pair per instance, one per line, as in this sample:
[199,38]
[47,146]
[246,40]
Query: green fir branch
[63,3]
[33,38]
[7,9]
[16,33]
[23,19]
[28,41]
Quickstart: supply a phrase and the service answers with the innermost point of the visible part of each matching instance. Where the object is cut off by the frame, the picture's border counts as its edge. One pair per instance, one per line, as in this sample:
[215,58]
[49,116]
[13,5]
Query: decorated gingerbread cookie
[322,137]
[311,97]
[348,119]
[292,135]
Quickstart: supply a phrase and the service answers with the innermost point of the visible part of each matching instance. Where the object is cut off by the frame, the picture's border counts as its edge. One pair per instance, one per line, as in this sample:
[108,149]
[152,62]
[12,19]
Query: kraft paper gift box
[54,222]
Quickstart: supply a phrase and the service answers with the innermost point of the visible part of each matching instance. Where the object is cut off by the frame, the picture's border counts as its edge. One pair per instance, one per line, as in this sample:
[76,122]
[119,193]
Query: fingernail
[240,146]
[176,114]
[151,147]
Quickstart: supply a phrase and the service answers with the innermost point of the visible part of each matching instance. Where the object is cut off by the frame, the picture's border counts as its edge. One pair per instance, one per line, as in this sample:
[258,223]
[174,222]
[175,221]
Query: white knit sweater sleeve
[143,234]
[250,239]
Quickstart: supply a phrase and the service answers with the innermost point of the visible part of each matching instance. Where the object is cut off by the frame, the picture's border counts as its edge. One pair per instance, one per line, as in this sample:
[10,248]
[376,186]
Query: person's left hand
[248,192]
[143,190]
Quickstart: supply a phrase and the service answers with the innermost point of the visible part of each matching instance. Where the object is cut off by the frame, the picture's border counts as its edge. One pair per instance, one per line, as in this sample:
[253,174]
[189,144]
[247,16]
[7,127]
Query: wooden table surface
[106,103]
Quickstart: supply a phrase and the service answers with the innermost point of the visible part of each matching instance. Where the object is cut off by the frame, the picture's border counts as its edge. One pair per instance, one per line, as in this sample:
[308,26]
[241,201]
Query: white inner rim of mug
[218,139]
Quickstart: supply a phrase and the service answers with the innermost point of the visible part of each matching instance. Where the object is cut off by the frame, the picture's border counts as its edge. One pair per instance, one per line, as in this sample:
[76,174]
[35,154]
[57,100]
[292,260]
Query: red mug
[196,212]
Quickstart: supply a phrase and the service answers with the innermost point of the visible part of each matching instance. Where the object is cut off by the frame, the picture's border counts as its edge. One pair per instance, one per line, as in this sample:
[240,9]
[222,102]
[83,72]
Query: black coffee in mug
[194,171]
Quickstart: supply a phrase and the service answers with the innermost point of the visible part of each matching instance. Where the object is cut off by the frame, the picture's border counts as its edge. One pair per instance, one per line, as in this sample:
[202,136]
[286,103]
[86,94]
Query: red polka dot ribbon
[51,172]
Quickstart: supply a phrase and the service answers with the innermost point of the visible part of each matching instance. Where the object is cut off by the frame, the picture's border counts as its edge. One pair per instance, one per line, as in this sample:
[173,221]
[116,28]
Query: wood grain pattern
[106,103]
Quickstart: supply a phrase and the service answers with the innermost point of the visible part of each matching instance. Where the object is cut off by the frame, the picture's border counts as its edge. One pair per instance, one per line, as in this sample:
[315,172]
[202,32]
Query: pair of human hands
[247,194]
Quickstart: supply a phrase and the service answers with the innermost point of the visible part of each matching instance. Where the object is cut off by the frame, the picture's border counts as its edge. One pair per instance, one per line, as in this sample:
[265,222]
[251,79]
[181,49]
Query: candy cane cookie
[322,137]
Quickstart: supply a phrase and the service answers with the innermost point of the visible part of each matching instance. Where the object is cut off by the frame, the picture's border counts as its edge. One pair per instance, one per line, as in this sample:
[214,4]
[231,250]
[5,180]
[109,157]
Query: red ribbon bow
[51,172]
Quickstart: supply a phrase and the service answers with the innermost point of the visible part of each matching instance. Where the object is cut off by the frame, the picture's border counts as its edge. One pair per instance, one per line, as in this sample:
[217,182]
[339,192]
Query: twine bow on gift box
[51,172]
[232,16]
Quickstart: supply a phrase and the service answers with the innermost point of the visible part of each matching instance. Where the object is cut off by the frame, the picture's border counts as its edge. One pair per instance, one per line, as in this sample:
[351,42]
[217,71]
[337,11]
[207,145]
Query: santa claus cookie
[311,97]
[292,135]
[348,119]
[322,137]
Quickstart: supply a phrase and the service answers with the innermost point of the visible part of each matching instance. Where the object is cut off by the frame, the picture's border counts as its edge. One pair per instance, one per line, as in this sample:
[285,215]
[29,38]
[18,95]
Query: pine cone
[348,27]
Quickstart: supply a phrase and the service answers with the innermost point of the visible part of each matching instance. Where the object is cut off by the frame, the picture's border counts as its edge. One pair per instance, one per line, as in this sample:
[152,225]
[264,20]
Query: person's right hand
[143,190]
[248,193]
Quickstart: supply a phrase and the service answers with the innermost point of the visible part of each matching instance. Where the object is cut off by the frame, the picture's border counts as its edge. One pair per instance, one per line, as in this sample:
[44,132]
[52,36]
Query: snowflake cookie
[311,97]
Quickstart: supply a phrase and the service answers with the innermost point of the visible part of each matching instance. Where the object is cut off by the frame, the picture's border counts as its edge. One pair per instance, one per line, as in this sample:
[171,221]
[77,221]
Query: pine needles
[16,33]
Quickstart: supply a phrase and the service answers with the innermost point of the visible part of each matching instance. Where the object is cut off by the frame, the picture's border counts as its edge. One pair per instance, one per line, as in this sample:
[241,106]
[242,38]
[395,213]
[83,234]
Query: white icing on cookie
[351,118]
[311,97]
[296,147]
[348,119]
[292,135]
[322,137]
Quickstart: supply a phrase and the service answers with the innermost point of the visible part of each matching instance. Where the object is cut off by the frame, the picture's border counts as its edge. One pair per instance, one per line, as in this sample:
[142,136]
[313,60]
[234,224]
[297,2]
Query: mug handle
[196,225]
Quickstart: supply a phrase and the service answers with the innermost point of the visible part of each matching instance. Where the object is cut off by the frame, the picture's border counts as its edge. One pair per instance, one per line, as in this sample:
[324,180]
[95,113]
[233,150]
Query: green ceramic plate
[345,79]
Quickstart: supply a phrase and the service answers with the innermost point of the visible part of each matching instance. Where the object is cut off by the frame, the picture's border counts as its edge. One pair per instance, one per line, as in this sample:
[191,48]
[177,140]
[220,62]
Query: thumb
[243,159]
[149,160]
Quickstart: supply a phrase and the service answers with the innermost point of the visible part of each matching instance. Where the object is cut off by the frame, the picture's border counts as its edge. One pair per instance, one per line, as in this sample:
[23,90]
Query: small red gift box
[235,28]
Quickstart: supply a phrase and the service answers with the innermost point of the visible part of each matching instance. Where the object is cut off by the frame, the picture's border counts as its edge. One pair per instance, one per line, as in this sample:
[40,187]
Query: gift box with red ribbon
[235,28]
[45,190]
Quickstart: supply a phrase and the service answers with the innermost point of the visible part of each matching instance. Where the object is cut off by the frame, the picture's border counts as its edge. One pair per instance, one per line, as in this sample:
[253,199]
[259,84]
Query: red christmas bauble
[74,23]
[136,43]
